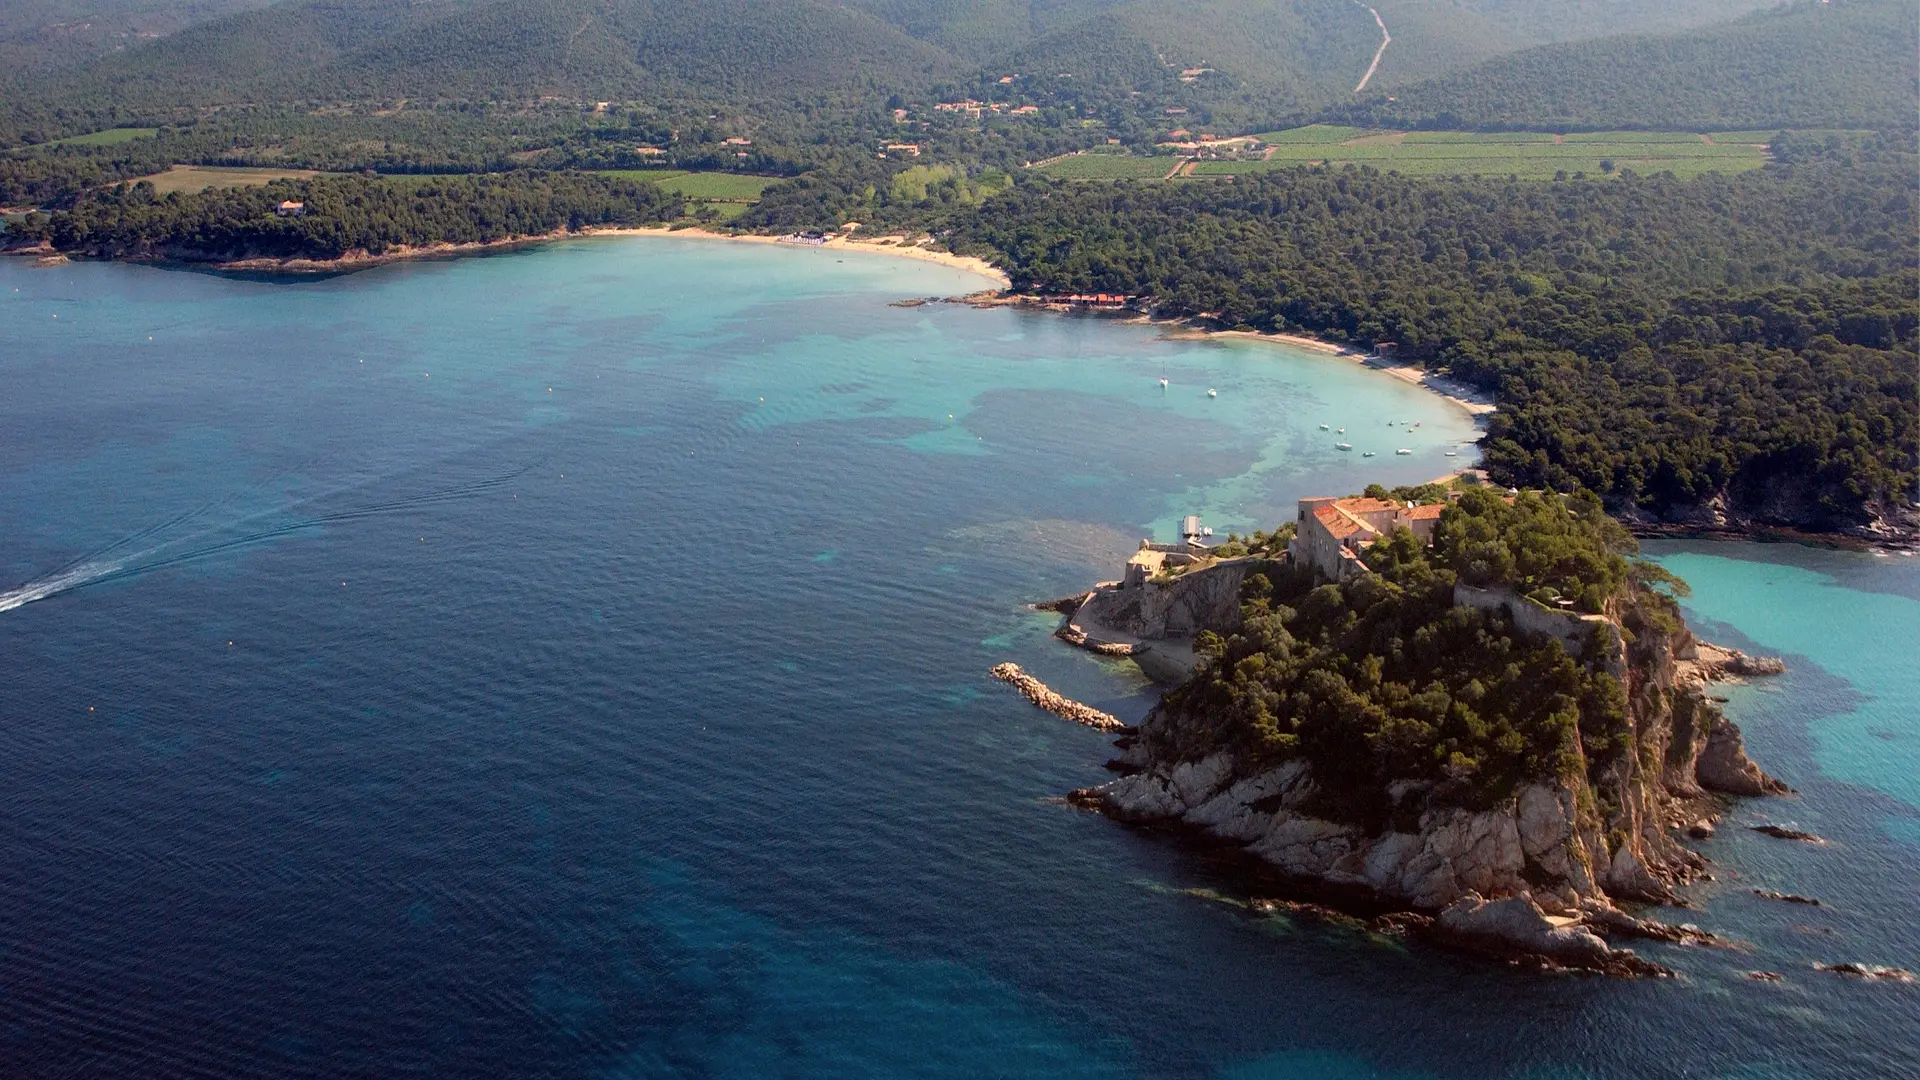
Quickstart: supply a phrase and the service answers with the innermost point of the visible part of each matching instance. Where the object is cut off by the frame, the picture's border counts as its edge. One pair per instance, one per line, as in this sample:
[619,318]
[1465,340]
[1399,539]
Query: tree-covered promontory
[346,214]
[1382,681]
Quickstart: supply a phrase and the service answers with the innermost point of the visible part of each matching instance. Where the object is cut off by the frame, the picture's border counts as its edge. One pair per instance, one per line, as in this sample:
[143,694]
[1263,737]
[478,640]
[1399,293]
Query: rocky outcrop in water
[1868,971]
[1537,873]
[1782,832]
[1723,764]
[1785,897]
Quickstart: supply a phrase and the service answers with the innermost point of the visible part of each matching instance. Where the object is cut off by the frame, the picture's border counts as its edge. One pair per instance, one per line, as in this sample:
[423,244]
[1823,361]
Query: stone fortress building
[1332,532]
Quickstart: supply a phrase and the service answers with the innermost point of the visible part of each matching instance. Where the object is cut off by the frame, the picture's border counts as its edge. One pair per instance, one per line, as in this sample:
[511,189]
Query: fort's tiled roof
[1366,506]
[1428,512]
[1339,524]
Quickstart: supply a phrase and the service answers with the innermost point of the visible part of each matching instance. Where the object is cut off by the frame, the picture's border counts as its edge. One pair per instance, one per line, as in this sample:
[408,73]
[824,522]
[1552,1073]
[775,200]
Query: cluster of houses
[1214,147]
[975,109]
[1111,301]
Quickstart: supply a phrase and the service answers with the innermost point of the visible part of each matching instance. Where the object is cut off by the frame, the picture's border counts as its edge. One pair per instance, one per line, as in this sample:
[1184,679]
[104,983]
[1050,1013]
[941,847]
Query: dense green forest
[1665,343]
[1383,684]
[1843,64]
[344,214]
[41,37]
[357,50]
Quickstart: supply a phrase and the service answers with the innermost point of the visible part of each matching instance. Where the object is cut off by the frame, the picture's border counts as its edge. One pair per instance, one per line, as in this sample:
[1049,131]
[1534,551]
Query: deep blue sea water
[573,664]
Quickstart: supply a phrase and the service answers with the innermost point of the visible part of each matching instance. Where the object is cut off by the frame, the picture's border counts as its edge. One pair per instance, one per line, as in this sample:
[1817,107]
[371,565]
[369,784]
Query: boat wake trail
[55,584]
[116,562]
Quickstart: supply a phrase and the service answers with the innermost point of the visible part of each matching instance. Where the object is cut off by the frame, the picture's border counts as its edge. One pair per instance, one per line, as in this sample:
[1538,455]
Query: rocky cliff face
[1537,873]
[1772,505]
[1180,607]
[1155,622]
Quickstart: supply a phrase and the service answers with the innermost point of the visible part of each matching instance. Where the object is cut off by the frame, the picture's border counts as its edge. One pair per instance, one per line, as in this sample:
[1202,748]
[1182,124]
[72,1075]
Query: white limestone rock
[1517,923]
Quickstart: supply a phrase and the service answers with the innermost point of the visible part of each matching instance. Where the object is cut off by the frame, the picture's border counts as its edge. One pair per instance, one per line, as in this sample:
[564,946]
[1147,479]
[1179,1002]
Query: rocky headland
[1530,832]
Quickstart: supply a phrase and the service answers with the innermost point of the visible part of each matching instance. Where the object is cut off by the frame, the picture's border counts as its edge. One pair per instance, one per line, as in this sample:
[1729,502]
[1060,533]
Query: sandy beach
[1475,402]
[895,246]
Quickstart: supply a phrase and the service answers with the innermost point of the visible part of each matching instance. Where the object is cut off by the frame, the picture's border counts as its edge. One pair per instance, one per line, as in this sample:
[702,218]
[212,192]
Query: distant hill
[1271,58]
[1574,20]
[1433,37]
[1284,51]
[308,50]
[42,36]
[1847,63]
[984,30]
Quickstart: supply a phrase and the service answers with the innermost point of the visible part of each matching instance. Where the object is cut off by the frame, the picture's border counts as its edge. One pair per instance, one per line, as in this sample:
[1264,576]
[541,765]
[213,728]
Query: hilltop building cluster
[1332,532]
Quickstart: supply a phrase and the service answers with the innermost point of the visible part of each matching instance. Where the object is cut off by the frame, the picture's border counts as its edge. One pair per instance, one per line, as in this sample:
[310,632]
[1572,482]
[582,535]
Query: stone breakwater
[1059,705]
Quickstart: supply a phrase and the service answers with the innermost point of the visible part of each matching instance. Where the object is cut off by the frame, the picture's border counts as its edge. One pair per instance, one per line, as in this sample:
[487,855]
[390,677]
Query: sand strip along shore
[1475,401]
[362,260]
[880,245]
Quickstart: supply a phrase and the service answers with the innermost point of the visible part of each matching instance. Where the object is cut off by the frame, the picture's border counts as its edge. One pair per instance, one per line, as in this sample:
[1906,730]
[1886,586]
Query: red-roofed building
[1332,532]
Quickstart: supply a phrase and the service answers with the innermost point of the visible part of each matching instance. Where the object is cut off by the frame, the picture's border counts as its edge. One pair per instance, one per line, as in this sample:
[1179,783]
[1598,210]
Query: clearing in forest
[196,178]
[1529,155]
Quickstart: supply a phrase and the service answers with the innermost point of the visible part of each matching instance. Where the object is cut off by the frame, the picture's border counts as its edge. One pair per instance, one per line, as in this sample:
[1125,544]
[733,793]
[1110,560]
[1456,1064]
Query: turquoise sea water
[572,663]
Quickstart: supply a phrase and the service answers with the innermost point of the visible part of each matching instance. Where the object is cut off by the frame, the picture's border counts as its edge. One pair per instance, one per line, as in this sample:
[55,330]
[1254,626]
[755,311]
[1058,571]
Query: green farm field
[650,176]
[195,178]
[718,187]
[1528,155]
[725,195]
[109,137]
[1108,167]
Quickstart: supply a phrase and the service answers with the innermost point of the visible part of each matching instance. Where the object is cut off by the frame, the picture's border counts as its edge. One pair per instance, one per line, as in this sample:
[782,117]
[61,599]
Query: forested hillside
[1266,56]
[1249,64]
[981,30]
[1433,37]
[356,50]
[38,37]
[1844,64]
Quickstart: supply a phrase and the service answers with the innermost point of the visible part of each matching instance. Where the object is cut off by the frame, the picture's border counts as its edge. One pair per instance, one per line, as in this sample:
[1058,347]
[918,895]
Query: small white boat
[1342,431]
[1366,453]
[1343,446]
[1212,392]
[1453,453]
[1404,452]
[1324,427]
[1163,384]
